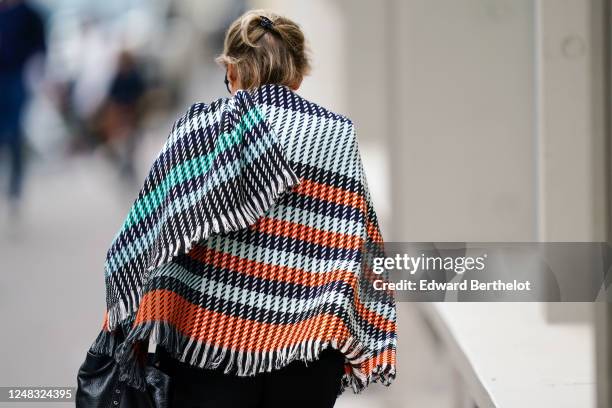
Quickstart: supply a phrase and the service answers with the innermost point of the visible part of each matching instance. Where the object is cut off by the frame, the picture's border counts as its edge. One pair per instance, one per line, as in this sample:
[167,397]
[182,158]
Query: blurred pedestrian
[120,118]
[22,36]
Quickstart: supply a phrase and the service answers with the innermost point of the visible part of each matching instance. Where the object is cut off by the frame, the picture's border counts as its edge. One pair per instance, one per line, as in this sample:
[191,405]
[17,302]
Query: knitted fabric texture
[248,246]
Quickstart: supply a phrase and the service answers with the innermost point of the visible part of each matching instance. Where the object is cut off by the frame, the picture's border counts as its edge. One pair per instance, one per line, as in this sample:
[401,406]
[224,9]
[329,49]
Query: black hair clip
[266,23]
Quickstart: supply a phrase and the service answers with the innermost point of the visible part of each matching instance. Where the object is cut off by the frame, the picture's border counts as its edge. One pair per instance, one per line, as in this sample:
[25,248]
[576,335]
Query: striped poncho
[245,248]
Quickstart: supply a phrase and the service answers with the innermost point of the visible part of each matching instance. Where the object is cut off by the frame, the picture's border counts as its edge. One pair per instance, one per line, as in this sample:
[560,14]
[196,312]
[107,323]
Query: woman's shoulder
[197,110]
[277,96]
[222,113]
[326,112]
[281,96]
[341,124]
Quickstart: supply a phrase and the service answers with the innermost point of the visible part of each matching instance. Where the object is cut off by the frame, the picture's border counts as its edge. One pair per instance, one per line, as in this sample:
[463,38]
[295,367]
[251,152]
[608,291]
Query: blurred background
[478,120]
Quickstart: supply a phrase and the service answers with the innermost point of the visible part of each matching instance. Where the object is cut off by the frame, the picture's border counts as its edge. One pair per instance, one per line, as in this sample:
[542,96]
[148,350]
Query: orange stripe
[330,193]
[286,274]
[242,334]
[386,357]
[375,319]
[266,271]
[105,321]
[307,234]
[233,332]
[373,232]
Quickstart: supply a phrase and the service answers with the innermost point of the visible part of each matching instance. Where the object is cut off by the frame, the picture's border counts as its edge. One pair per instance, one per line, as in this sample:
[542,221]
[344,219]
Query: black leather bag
[98,385]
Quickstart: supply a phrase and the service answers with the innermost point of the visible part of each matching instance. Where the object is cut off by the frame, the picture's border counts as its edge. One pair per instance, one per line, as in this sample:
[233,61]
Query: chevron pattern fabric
[246,247]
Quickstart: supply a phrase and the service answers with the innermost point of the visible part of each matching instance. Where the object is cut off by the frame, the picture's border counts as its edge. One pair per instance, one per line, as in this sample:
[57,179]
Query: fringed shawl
[246,247]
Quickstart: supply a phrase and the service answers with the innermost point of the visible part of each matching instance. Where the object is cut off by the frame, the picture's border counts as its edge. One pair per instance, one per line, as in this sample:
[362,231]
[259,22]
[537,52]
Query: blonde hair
[265,48]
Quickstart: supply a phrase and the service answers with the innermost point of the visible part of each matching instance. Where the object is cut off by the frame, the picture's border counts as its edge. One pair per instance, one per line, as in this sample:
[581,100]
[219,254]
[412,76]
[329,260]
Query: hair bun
[265,48]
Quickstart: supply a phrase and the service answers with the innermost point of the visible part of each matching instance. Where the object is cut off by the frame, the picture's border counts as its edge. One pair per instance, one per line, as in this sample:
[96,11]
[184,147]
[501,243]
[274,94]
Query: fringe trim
[119,313]
[208,356]
[246,215]
[240,218]
[128,352]
[106,343]
[384,375]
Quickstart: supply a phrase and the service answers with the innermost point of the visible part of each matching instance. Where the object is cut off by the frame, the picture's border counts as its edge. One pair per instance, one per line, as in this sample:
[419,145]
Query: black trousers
[312,385]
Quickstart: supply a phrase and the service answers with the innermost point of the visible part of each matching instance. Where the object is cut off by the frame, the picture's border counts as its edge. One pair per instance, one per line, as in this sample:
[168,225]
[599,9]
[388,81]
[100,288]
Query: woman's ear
[296,85]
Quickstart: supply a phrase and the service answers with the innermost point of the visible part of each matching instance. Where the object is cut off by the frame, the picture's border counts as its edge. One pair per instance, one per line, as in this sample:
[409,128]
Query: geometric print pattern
[270,265]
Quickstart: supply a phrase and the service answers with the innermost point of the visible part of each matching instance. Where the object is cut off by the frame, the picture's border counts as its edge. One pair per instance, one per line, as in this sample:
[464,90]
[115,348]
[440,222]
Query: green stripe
[192,168]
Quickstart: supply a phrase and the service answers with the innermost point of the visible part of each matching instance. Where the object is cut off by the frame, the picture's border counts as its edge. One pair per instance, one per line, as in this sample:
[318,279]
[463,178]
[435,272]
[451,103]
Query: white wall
[479,119]
[464,156]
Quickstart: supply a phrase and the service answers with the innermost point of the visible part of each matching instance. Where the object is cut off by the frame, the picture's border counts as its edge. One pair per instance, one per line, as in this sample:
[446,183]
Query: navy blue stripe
[327,177]
[294,245]
[280,97]
[230,188]
[263,288]
[324,207]
[196,143]
[299,201]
